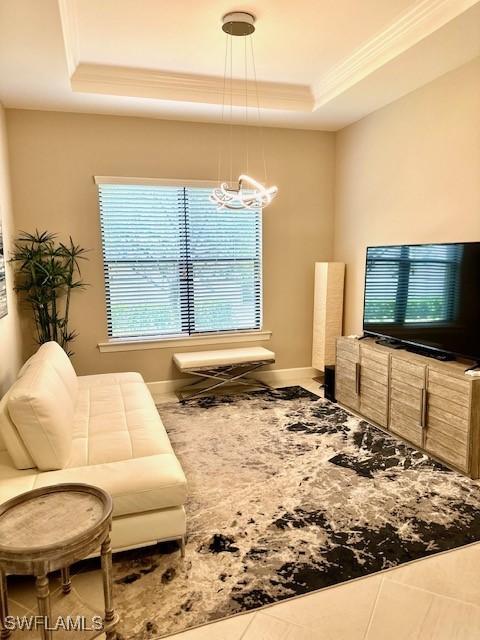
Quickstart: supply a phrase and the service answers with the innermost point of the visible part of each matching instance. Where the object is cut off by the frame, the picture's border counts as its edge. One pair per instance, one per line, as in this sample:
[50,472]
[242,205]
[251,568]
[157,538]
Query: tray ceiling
[321,64]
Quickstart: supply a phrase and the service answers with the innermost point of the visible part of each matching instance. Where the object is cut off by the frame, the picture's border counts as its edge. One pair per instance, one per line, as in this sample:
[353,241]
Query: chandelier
[245,192]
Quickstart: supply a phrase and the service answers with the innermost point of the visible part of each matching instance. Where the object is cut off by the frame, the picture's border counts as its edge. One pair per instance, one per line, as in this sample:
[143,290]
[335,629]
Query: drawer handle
[357,378]
[423,409]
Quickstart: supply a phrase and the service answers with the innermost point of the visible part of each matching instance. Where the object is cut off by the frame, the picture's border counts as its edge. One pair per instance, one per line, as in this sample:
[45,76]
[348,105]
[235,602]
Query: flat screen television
[426,296]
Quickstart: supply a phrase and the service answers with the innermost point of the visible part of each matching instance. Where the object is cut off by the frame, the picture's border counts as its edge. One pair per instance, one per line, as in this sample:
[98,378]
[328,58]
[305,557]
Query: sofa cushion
[59,360]
[3,446]
[136,485]
[115,419]
[143,484]
[12,440]
[106,379]
[41,408]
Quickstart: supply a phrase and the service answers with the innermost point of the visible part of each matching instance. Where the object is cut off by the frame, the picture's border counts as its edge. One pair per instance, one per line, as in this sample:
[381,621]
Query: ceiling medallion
[246,192]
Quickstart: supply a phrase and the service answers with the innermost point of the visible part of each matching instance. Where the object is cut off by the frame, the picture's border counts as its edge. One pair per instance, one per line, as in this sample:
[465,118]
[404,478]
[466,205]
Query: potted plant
[47,272]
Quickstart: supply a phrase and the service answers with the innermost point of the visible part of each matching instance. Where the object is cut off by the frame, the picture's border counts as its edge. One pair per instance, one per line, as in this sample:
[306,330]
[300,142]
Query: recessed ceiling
[186,36]
[321,64]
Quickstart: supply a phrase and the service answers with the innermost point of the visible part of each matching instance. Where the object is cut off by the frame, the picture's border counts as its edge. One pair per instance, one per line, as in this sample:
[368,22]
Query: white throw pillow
[12,440]
[41,406]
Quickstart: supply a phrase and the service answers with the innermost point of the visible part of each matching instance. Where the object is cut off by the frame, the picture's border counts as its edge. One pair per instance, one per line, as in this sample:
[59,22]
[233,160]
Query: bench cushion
[221,357]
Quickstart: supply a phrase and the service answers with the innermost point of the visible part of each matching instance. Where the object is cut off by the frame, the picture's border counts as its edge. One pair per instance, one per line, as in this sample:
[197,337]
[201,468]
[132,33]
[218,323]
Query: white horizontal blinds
[224,255]
[175,265]
[143,230]
[381,284]
[433,278]
[411,284]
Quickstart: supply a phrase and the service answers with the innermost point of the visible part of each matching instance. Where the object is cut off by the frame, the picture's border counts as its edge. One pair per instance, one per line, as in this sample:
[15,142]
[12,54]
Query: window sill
[135,344]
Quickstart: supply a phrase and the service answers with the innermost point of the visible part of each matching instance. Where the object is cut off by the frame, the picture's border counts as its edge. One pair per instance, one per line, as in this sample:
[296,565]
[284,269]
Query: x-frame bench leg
[222,376]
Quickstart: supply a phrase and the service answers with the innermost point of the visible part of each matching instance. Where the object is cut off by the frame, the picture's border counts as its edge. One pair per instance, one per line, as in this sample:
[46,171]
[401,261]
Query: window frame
[124,343]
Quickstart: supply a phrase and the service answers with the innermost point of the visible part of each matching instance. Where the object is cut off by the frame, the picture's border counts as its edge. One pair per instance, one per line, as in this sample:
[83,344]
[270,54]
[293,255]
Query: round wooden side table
[49,529]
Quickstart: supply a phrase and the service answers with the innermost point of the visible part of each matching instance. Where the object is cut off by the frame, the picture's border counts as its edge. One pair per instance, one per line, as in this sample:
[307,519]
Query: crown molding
[184,87]
[411,27]
[163,85]
[68,19]
[408,30]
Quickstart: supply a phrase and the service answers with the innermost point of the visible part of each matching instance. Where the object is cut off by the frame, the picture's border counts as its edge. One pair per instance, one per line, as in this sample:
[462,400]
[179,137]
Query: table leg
[44,608]
[66,580]
[4,605]
[106,556]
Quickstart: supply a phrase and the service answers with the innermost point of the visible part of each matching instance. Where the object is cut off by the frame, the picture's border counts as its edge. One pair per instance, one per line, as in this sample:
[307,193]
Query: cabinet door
[408,400]
[447,425]
[347,373]
[374,381]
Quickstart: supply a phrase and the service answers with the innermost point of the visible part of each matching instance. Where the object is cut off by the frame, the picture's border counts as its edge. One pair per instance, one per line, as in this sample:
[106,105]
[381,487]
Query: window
[411,284]
[174,265]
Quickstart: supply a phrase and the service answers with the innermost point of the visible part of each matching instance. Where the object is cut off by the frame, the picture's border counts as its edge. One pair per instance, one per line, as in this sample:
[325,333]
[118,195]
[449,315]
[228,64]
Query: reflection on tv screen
[427,295]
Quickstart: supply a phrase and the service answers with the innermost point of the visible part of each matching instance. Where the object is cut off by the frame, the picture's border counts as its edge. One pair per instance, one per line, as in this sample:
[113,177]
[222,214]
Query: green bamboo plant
[47,272]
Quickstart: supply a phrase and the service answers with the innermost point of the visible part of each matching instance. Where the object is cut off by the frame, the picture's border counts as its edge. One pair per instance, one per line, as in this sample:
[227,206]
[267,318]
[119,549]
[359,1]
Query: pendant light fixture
[245,192]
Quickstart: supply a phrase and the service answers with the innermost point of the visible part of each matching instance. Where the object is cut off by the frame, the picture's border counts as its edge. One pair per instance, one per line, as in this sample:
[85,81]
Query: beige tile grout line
[22,606]
[268,615]
[248,626]
[422,623]
[433,593]
[33,609]
[289,623]
[372,612]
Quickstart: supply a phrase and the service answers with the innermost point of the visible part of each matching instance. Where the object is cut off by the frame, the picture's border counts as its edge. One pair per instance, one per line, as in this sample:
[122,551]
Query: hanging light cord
[231,108]
[247,193]
[246,100]
[220,146]
[258,112]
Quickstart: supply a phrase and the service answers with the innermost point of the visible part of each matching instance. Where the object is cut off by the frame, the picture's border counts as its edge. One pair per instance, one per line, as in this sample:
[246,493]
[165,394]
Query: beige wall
[10,339]
[409,173]
[54,156]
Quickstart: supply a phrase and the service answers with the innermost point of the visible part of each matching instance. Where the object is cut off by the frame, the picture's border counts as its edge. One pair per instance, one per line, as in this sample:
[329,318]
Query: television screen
[425,295]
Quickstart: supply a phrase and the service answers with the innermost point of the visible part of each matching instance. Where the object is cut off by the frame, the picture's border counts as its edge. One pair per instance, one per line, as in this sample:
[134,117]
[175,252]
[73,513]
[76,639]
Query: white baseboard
[285,376]
[275,377]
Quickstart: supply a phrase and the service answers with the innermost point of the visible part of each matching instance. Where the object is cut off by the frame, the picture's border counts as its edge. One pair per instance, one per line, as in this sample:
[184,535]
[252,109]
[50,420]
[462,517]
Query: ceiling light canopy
[245,192]
[238,23]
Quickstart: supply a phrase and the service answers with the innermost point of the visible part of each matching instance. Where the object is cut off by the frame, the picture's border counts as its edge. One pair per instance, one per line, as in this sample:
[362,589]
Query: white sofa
[57,427]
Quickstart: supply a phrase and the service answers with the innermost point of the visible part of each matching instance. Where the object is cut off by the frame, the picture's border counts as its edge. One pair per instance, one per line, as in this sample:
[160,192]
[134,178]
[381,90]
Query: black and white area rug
[289,493]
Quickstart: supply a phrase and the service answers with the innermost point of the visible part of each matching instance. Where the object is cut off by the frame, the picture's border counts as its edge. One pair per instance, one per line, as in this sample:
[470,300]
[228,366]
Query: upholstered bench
[223,367]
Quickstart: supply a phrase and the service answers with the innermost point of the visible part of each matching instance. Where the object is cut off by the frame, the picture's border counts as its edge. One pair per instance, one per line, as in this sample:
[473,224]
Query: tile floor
[433,599]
